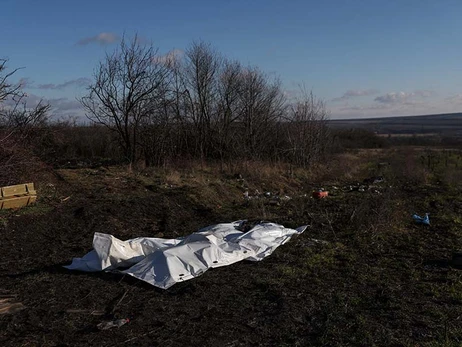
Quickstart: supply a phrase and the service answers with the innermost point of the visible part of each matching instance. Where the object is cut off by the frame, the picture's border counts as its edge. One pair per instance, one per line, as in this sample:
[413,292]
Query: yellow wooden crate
[17,196]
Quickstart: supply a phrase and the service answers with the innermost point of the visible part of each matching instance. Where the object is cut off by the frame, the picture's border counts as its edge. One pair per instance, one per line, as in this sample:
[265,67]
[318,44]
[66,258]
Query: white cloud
[425,93]
[454,99]
[79,82]
[30,101]
[25,82]
[404,97]
[393,98]
[141,40]
[102,39]
[419,102]
[169,57]
[59,106]
[355,93]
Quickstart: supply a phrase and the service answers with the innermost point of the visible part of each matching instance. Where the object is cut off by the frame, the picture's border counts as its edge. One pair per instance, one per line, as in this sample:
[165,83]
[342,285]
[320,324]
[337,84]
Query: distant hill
[442,124]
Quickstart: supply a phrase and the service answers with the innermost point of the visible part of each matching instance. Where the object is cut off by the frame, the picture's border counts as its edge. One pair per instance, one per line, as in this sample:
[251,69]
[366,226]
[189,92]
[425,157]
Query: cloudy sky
[364,58]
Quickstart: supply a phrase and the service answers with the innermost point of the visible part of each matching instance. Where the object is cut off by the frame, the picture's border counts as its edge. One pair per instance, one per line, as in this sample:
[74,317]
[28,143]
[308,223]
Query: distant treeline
[66,144]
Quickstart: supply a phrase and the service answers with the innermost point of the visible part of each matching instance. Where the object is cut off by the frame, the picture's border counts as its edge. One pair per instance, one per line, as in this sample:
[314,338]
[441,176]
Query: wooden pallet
[17,196]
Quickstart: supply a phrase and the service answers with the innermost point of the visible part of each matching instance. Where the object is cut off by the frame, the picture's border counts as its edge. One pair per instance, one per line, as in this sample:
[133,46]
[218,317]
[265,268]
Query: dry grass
[376,280]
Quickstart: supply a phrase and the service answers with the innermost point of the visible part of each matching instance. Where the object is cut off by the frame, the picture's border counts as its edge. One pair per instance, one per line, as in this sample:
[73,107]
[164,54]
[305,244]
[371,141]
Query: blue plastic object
[421,220]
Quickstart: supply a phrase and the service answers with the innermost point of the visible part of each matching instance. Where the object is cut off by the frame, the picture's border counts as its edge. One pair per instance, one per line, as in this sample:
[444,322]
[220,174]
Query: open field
[377,280]
[441,124]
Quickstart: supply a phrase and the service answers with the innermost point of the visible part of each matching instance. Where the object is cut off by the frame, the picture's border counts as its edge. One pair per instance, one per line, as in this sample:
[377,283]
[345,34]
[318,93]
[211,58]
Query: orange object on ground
[320,195]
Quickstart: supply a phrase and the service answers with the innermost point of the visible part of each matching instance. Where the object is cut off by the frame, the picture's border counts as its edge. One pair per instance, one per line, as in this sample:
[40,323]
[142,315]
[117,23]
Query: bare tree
[127,87]
[229,107]
[307,131]
[17,117]
[201,105]
[8,90]
[182,108]
[201,71]
[262,102]
[23,120]
[17,121]
[157,136]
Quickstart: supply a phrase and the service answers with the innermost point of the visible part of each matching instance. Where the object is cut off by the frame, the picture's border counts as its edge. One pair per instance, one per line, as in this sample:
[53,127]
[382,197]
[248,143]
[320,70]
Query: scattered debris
[113,324]
[238,176]
[421,220]
[366,185]
[65,199]
[274,202]
[356,188]
[17,196]
[272,198]
[320,193]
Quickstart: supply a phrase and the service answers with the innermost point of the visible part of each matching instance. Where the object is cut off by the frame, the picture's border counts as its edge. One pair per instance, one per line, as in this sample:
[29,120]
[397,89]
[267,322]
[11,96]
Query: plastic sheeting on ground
[164,262]
[421,220]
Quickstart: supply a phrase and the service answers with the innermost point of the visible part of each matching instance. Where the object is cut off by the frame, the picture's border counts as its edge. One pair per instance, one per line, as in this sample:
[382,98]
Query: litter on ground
[421,220]
[164,262]
[17,196]
[320,194]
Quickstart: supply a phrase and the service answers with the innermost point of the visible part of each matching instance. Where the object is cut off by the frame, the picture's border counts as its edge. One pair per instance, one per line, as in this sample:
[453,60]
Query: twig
[123,296]
[352,215]
[137,337]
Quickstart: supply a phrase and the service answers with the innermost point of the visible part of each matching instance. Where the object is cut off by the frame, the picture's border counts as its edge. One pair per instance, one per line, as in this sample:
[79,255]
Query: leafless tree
[17,121]
[128,85]
[262,106]
[229,108]
[157,131]
[201,106]
[8,90]
[17,117]
[201,71]
[307,131]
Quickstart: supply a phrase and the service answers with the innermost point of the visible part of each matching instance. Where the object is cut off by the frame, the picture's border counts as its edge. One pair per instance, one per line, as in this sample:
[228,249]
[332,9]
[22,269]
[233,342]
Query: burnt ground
[379,279]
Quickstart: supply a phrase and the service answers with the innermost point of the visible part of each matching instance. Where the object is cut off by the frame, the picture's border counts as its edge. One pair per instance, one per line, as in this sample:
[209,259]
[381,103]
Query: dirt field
[379,279]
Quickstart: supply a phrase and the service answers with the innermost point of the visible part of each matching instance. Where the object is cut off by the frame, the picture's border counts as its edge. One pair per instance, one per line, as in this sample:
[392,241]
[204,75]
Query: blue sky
[364,58]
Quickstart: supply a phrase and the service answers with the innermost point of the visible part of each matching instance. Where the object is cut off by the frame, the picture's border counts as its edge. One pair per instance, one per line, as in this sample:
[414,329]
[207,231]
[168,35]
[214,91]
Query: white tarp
[164,262]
